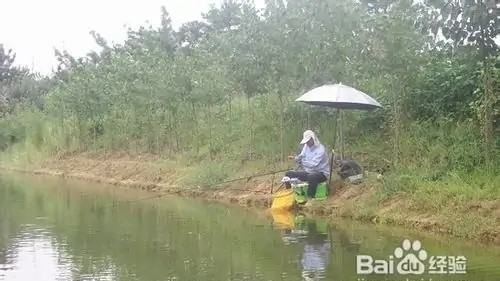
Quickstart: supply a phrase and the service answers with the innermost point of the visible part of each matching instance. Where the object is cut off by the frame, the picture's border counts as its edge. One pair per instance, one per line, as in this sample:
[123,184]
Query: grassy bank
[452,205]
[440,182]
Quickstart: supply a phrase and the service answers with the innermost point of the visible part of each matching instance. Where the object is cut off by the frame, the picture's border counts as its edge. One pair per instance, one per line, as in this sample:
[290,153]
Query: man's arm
[298,158]
[317,156]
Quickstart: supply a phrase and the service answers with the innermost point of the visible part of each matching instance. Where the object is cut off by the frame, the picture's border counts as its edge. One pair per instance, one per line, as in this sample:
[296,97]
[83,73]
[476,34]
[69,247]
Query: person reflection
[297,229]
[316,255]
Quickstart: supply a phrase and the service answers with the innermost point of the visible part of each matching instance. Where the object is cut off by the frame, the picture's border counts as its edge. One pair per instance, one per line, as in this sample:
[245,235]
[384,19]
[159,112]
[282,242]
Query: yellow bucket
[283,200]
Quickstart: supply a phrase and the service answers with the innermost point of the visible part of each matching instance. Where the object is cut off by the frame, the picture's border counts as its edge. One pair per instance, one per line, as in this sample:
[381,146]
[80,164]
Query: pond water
[56,229]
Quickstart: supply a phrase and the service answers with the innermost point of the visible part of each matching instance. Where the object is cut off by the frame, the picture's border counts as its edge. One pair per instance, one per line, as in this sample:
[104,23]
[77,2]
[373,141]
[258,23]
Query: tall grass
[444,155]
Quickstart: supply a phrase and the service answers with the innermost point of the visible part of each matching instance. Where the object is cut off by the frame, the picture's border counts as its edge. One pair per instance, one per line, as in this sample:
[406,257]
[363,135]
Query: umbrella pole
[341,133]
[332,155]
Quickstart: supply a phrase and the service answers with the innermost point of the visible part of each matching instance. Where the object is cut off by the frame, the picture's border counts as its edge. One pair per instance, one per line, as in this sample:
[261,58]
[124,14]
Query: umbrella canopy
[339,96]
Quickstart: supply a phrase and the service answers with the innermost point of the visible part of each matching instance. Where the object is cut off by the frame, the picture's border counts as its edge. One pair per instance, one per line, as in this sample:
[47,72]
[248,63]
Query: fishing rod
[248,178]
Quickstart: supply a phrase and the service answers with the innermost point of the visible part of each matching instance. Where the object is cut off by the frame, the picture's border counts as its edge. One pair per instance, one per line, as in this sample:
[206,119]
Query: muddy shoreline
[357,202]
[226,195]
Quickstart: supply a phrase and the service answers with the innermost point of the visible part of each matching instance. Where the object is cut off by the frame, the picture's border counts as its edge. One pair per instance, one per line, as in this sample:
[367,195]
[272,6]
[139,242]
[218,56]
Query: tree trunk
[79,125]
[487,115]
[396,126]
[210,144]
[230,124]
[162,131]
[282,128]
[250,144]
[136,146]
[196,129]
[95,136]
[170,149]
[176,131]
[66,144]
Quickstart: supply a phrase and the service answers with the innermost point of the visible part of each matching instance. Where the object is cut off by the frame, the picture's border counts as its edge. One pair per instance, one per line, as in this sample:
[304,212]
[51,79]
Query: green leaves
[224,87]
[469,23]
[7,58]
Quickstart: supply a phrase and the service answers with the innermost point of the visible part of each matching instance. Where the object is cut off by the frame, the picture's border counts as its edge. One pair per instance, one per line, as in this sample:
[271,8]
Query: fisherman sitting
[313,159]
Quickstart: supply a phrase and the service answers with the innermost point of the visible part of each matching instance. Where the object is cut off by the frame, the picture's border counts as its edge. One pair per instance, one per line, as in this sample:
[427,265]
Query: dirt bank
[478,220]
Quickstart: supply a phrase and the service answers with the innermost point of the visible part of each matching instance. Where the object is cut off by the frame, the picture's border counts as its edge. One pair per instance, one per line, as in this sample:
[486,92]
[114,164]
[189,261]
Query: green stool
[301,192]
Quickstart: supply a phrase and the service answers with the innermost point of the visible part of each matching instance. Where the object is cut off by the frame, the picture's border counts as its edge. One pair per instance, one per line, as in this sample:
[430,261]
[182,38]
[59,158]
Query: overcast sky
[33,28]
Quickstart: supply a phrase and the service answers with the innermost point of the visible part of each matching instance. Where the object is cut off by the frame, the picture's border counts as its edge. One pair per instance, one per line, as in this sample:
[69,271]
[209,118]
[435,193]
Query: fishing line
[248,178]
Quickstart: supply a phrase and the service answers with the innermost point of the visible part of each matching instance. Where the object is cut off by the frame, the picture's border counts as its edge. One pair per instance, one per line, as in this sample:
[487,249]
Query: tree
[166,32]
[468,22]
[190,34]
[225,18]
[223,87]
[7,58]
[18,85]
[475,23]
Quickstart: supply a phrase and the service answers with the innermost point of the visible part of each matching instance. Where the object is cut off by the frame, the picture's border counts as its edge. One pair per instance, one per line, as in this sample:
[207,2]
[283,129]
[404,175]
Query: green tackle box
[301,192]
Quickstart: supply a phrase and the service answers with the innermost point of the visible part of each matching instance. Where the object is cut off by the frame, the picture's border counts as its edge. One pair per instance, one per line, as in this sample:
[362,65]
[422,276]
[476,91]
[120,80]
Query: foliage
[223,89]
[447,86]
[6,60]
[468,22]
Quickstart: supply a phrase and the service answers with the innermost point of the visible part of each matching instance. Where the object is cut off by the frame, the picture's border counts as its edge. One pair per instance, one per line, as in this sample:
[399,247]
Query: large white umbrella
[341,97]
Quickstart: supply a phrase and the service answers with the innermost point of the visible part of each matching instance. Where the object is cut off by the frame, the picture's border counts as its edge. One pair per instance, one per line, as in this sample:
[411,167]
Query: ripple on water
[33,254]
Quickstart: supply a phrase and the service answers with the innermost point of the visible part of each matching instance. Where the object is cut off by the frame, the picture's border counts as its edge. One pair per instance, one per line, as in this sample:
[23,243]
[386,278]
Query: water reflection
[313,238]
[316,254]
[67,231]
[34,255]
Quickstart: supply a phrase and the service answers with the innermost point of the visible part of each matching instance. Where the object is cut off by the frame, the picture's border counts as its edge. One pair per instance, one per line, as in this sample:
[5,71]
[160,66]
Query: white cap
[307,136]
[285,179]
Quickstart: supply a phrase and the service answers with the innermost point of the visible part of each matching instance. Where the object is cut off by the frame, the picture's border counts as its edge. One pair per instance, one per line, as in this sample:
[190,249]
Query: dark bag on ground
[349,169]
